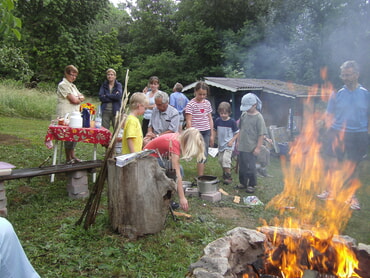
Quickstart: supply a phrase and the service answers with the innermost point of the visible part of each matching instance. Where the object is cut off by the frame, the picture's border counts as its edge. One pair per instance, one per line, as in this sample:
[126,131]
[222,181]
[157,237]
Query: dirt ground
[6,139]
[236,216]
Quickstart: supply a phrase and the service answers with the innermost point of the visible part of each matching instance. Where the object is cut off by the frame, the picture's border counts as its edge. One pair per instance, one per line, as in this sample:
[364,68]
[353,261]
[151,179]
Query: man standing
[165,118]
[347,139]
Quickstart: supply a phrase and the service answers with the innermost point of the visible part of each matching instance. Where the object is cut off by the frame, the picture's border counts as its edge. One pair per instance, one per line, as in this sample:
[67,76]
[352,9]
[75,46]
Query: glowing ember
[305,175]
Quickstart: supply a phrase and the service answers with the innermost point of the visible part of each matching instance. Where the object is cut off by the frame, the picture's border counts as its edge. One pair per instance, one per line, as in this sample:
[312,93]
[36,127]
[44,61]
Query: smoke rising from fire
[299,40]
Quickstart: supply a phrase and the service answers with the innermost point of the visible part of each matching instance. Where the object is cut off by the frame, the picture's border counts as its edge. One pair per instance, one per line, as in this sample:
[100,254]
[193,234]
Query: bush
[13,64]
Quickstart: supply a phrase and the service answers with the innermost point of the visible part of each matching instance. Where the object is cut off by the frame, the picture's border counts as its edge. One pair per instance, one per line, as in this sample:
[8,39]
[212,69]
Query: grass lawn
[44,217]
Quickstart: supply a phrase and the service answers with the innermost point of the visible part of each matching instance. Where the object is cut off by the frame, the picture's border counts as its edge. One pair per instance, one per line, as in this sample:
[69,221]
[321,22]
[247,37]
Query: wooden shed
[282,102]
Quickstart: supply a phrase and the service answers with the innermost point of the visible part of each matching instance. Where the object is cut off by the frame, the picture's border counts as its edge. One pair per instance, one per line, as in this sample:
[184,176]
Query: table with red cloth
[85,135]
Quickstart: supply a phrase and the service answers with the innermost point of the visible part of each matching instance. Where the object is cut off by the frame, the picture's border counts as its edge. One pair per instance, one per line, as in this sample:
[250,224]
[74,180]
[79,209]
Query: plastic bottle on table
[98,119]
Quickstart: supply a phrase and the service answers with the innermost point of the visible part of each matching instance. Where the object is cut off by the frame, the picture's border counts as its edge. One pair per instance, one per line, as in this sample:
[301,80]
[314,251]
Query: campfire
[250,253]
[306,175]
[304,241]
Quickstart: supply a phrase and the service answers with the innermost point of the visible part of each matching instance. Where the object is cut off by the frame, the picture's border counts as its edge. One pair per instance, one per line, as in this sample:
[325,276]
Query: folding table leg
[54,158]
[94,158]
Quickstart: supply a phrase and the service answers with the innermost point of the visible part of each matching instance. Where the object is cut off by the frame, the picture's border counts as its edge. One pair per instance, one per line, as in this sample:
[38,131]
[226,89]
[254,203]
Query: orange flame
[307,174]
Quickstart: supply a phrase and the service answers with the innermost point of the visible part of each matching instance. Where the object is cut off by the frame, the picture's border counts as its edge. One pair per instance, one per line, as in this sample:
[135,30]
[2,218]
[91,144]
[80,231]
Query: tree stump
[138,197]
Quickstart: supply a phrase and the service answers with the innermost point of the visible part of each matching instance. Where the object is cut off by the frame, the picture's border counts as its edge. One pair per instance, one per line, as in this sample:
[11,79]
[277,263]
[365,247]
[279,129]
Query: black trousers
[247,169]
[144,126]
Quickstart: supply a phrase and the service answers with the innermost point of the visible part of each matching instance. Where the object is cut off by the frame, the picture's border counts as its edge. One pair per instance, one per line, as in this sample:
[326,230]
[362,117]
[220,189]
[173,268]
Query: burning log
[246,264]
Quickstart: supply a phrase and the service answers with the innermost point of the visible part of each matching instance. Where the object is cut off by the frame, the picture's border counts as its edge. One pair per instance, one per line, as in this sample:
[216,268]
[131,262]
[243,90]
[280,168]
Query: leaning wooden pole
[92,205]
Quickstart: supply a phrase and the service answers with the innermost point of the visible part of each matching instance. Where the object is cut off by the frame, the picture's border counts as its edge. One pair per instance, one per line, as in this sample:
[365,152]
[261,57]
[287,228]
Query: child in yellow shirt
[132,138]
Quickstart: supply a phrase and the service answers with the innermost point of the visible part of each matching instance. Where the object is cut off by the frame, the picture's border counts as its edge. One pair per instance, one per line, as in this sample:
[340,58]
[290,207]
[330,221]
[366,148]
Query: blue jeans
[206,137]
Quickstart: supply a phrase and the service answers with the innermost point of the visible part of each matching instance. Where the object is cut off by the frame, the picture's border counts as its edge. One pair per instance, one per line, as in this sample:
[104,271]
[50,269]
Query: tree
[13,64]
[57,33]
[152,29]
[8,22]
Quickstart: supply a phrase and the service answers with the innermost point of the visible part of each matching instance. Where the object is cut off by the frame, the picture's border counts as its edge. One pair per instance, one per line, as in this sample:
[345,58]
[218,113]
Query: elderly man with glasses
[165,118]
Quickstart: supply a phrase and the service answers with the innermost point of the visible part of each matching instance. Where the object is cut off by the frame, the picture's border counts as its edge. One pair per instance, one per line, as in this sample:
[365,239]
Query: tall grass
[38,103]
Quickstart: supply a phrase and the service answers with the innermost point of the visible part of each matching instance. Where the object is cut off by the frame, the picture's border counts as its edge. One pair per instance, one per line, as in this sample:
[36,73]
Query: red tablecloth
[86,135]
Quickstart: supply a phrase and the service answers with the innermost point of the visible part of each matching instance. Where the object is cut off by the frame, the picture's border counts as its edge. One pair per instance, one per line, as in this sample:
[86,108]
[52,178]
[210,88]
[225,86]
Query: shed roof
[287,89]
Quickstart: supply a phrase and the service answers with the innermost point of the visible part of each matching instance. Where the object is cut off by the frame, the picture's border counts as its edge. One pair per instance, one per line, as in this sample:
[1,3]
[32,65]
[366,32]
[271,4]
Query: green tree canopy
[8,22]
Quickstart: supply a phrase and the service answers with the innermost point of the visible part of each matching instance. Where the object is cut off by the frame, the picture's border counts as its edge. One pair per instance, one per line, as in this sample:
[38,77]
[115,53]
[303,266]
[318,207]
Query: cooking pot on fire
[207,184]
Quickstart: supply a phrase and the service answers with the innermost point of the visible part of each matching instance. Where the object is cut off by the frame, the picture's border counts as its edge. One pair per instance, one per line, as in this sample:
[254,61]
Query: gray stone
[229,255]
[362,246]
[78,188]
[80,195]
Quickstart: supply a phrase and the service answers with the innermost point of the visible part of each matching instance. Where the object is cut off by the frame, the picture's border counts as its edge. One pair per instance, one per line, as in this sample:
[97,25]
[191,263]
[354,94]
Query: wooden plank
[47,170]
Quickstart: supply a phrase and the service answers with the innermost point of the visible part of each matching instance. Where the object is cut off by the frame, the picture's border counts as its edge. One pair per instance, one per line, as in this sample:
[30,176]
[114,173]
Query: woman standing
[153,88]
[198,114]
[69,100]
[110,95]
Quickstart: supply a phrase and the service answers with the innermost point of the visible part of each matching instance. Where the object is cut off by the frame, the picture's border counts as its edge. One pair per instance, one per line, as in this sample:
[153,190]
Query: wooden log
[138,197]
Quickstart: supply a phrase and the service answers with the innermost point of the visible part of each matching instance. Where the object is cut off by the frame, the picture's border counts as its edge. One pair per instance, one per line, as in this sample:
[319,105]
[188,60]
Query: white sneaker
[354,203]
[325,195]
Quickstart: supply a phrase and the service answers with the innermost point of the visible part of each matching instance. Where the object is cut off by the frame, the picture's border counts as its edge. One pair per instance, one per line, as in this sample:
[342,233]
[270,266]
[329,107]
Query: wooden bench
[53,169]
[42,171]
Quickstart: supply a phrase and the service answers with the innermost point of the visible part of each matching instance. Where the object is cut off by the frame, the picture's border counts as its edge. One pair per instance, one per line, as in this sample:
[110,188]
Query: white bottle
[75,120]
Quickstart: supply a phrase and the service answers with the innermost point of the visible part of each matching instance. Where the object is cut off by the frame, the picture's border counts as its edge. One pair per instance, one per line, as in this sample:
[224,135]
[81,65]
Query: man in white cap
[252,131]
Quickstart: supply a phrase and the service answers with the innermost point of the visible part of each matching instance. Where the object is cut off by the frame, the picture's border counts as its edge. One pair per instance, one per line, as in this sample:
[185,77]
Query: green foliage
[258,39]
[13,64]
[219,14]
[153,28]
[200,49]
[166,65]
[69,40]
[101,53]
[8,22]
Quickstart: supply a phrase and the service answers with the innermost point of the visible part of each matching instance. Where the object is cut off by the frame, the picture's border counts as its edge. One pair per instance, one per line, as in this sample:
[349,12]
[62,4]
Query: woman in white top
[69,100]
[154,87]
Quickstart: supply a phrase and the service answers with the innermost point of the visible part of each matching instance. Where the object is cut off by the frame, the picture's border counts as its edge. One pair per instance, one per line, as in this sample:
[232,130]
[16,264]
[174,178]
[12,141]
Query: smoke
[299,41]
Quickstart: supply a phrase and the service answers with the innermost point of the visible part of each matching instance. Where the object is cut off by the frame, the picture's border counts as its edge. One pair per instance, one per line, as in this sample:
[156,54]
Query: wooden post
[138,197]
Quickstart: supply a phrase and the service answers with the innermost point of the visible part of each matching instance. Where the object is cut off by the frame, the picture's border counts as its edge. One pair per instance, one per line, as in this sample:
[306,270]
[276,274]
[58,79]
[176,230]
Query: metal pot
[207,184]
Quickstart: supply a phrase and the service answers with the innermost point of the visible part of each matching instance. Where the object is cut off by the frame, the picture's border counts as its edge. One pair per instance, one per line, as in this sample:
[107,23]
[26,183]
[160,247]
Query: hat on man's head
[249,100]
